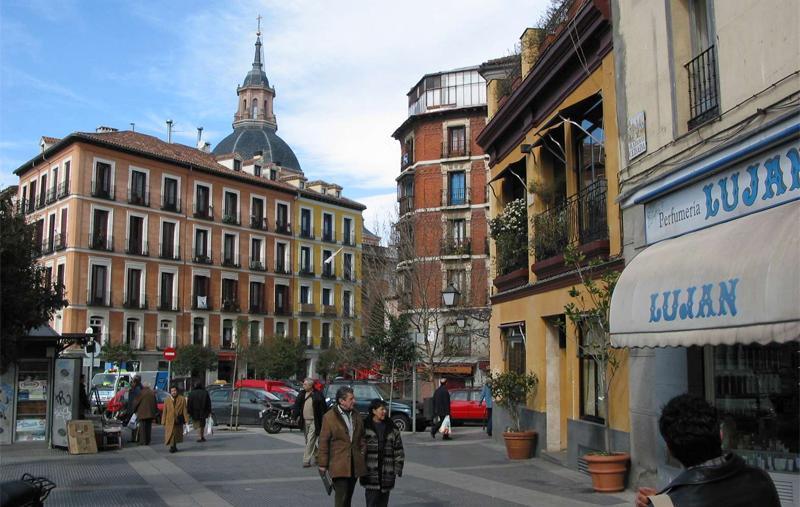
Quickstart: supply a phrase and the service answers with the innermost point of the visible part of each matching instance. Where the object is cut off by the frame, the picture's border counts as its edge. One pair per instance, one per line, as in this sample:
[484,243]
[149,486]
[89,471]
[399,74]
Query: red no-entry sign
[169,353]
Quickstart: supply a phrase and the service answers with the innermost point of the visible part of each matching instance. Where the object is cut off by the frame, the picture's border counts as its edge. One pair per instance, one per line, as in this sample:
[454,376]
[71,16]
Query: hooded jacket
[384,462]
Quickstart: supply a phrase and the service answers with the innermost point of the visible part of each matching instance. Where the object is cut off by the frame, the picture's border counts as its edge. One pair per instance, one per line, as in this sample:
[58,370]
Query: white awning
[737,282]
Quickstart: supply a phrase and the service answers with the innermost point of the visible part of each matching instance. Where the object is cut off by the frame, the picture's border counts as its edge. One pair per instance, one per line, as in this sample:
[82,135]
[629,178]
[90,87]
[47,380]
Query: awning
[737,282]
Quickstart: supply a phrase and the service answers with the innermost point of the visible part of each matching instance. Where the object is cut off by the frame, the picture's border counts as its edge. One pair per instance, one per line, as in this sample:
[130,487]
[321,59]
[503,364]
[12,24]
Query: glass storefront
[32,389]
[755,390]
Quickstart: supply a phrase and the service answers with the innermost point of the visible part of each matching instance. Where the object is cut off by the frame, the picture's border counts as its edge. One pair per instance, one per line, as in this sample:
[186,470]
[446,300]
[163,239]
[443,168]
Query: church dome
[247,140]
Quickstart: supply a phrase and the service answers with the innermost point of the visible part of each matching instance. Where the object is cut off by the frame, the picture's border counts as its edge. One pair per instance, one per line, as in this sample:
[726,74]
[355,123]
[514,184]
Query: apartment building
[160,244]
[553,154]
[710,190]
[441,233]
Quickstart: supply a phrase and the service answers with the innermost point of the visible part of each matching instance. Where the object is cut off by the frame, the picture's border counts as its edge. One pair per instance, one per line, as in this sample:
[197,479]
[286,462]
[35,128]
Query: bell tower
[255,95]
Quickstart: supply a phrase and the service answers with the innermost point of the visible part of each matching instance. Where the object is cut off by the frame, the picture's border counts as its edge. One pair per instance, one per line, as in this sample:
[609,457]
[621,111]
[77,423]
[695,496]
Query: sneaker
[306,465]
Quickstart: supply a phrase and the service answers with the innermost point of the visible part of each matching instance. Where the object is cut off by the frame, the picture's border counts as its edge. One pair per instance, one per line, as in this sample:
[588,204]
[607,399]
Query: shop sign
[637,135]
[756,184]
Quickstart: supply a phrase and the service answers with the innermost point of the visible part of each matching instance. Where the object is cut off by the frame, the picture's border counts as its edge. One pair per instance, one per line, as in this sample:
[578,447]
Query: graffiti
[64,399]
[6,396]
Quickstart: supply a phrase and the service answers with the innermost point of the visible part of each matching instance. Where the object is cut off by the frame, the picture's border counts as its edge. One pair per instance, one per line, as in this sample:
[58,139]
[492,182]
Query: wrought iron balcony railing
[456,246]
[456,197]
[202,258]
[135,301]
[230,260]
[60,241]
[329,310]
[201,302]
[703,87]
[169,252]
[257,266]
[231,218]
[258,309]
[168,304]
[102,191]
[170,203]
[63,189]
[99,241]
[306,232]
[136,247]
[52,194]
[258,223]
[230,305]
[283,228]
[204,213]
[99,299]
[139,197]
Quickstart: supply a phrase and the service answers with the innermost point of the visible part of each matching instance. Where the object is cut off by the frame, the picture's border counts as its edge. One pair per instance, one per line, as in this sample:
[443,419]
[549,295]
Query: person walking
[309,407]
[689,426]
[342,446]
[384,456]
[173,418]
[198,405]
[441,408]
[145,408]
[83,398]
[134,389]
[486,395]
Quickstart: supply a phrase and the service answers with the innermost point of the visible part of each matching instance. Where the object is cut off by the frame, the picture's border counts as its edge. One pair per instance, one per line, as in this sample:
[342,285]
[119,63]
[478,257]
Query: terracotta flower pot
[519,445]
[608,471]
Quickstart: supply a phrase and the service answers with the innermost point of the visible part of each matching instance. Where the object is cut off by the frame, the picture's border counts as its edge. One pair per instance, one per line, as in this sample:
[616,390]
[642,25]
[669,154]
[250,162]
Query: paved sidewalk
[250,467]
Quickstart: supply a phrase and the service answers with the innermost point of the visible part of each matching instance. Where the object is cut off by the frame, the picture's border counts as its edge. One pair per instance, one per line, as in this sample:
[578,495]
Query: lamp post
[450,296]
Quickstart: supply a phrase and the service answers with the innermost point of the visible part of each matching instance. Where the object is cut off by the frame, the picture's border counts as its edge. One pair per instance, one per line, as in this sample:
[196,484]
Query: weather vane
[259,25]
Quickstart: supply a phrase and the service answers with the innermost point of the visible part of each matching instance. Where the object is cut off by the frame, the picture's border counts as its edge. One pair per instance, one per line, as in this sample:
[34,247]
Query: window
[230,295]
[227,334]
[325,340]
[281,258]
[257,220]
[254,109]
[167,284]
[256,297]
[164,334]
[101,186]
[456,141]
[64,187]
[201,250]
[456,242]
[257,170]
[199,331]
[97,324]
[327,227]
[305,336]
[305,223]
[458,279]
[230,255]
[169,196]
[457,342]
[133,293]
[326,296]
[347,262]
[592,402]
[347,331]
[347,301]
[282,218]
[457,188]
[136,244]
[273,174]
[257,261]
[60,279]
[327,264]
[101,237]
[98,294]
[408,153]
[230,213]
[281,299]
[201,287]
[168,248]
[305,295]
[305,260]
[137,193]
[589,150]
[202,202]
[348,233]
[280,329]
[221,396]
[255,332]
[237,165]
[514,341]
[131,332]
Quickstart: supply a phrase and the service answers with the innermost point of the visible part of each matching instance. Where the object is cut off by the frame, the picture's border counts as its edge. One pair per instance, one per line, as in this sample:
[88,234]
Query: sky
[341,71]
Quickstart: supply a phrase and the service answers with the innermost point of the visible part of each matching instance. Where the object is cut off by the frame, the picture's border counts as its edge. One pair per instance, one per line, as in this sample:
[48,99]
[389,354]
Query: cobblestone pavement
[250,468]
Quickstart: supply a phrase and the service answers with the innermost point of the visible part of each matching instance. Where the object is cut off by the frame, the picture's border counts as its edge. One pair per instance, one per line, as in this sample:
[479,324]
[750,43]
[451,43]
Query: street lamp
[450,295]
[461,322]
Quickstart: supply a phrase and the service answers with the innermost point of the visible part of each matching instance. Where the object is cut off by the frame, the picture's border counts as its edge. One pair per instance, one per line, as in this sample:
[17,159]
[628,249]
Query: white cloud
[380,213]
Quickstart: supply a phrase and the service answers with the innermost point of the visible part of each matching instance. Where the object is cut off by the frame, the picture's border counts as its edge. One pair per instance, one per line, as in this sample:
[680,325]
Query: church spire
[255,93]
[257,60]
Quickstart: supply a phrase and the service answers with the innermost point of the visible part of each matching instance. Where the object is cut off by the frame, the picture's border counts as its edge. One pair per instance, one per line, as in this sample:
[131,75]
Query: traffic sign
[169,353]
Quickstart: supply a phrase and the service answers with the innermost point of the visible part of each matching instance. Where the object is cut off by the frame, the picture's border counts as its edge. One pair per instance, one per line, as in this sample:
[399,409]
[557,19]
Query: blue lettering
[727,296]
[750,193]
[794,158]
[655,313]
[670,315]
[686,311]
[706,303]
[712,203]
[723,185]
[774,178]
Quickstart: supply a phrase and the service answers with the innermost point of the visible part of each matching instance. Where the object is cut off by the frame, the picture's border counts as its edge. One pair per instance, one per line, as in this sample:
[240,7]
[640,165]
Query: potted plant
[589,311]
[509,230]
[510,390]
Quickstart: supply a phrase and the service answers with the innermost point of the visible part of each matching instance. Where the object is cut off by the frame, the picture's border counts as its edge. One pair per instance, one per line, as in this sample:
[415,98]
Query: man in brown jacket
[342,446]
[146,410]
[173,418]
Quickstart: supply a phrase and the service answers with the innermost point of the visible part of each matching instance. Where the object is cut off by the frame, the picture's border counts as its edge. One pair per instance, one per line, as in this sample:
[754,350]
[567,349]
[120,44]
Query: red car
[276,387]
[464,406]
[119,402]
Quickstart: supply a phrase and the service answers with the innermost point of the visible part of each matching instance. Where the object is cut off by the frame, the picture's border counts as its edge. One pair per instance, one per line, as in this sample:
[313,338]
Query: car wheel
[271,424]
[401,422]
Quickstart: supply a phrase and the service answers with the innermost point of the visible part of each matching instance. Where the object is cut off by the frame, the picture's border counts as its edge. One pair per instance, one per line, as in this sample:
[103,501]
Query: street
[250,467]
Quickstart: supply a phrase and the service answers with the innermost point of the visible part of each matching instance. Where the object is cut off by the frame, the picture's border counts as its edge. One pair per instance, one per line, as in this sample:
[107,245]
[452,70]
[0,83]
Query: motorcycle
[28,491]
[278,416]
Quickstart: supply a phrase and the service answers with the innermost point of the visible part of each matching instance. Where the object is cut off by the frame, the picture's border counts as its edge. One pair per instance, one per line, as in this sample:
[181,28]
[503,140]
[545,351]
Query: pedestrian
[342,446]
[83,398]
[309,407]
[145,408]
[173,418]
[384,456]
[198,405]
[441,408]
[134,389]
[689,426]
[486,395]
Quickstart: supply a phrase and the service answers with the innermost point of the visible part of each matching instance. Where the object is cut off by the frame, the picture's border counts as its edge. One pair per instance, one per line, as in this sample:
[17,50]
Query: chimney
[105,130]
[529,49]
[206,147]
[169,131]
[199,138]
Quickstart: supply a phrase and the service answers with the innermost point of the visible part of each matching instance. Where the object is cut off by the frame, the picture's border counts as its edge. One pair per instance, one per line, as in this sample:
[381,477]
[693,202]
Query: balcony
[307,271]
[230,305]
[135,302]
[139,197]
[99,241]
[347,311]
[201,303]
[456,150]
[230,260]
[406,204]
[136,247]
[349,239]
[258,309]
[328,310]
[63,189]
[283,228]
[325,342]
[41,202]
[328,272]
[580,220]
[283,311]
[308,309]
[203,213]
[282,268]
[169,252]
[231,218]
[227,343]
[257,266]
[258,223]
[52,195]
[168,304]
[99,299]
[60,241]
[703,88]
[349,275]
[163,340]
[306,232]
[328,237]
[47,246]
[202,258]
[102,191]
[171,203]
[456,246]
[456,197]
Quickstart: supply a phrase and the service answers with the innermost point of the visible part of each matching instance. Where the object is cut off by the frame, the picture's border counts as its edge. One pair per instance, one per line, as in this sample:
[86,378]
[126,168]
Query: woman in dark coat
[385,456]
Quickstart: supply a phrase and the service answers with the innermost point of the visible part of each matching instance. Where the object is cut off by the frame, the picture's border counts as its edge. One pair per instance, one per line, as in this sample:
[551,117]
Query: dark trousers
[145,427]
[376,498]
[437,421]
[489,421]
[344,487]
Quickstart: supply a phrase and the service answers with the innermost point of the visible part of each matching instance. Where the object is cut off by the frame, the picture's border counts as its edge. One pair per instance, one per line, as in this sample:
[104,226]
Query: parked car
[118,405]
[366,391]
[253,404]
[464,406]
[276,387]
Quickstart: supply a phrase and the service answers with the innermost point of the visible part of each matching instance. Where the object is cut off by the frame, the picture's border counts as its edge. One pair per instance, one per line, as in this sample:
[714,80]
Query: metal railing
[580,219]
[457,150]
[198,302]
[328,271]
[347,311]
[282,268]
[257,266]
[349,239]
[52,194]
[138,197]
[172,253]
[328,236]
[230,259]
[205,213]
[283,227]
[457,197]
[258,308]
[103,299]
[259,223]
[203,258]
[101,242]
[306,232]
[226,342]
[102,192]
[63,189]
[703,87]
[135,301]
[230,305]
[230,218]
[283,311]
[47,246]
[456,246]
[173,203]
[306,271]
[168,304]
[136,247]
[41,202]
[60,241]
[329,310]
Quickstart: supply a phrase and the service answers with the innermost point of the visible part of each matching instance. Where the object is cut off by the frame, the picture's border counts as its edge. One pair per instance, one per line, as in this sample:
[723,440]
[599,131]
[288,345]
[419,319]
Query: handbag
[132,422]
[662,500]
[179,420]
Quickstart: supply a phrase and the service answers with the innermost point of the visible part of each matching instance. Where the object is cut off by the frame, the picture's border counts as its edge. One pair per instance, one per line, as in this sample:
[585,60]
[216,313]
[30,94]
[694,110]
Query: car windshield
[385,389]
[104,380]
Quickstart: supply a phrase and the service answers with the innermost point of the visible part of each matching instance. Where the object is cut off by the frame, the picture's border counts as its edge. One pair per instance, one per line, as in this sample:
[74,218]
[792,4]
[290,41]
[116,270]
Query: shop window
[592,402]
[32,382]
[514,340]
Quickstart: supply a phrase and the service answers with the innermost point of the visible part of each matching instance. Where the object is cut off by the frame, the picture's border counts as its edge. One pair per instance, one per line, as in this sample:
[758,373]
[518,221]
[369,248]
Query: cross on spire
[259,25]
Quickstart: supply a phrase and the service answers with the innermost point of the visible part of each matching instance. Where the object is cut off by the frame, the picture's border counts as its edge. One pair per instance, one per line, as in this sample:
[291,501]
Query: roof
[152,147]
[256,76]
[50,140]
[248,139]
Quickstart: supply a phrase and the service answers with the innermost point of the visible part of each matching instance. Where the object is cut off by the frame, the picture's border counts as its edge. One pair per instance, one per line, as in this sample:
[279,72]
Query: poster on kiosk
[66,398]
